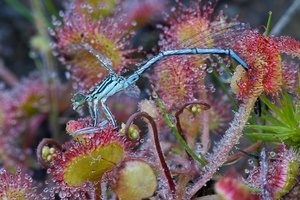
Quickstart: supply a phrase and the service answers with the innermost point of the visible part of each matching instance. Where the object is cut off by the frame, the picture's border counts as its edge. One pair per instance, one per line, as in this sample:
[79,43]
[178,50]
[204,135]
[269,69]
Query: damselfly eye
[78,100]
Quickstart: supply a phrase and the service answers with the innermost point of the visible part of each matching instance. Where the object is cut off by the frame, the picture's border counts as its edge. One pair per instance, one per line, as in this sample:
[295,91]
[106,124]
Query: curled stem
[127,126]
[164,169]
[39,151]
[204,105]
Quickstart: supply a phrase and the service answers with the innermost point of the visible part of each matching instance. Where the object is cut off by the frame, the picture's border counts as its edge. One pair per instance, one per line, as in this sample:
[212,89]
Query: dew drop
[272,154]
[154,95]
[140,48]
[55,53]
[68,75]
[209,70]
[61,13]
[51,31]
[62,194]
[90,9]
[132,32]
[250,162]
[133,23]
[203,66]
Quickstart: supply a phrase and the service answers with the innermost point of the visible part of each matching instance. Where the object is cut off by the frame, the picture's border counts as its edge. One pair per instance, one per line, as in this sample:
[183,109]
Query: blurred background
[16,28]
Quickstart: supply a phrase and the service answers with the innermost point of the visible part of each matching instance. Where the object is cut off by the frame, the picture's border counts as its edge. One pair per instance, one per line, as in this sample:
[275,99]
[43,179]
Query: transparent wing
[219,35]
[106,62]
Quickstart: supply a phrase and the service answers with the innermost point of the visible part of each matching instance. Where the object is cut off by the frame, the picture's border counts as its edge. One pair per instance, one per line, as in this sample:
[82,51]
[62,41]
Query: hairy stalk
[163,167]
[205,106]
[39,151]
[222,150]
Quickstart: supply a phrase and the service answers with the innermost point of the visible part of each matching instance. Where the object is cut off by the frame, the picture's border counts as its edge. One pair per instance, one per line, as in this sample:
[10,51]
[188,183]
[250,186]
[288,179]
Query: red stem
[205,106]
[158,149]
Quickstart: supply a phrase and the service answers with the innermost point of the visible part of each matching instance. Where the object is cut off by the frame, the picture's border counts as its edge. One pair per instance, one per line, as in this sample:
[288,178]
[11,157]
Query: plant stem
[49,71]
[164,169]
[205,106]
[222,150]
[269,24]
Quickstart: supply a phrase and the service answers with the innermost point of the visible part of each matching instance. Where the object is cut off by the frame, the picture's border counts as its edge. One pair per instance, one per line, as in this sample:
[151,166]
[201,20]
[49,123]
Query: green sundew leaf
[271,137]
[275,129]
[269,23]
[285,121]
[289,137]
[270,105]
[270,118]
[285,112]
[288,111]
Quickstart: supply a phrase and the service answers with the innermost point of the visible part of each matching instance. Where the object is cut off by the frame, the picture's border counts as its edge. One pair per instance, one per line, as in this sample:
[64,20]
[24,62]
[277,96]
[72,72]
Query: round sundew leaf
[135,180]
[91,166]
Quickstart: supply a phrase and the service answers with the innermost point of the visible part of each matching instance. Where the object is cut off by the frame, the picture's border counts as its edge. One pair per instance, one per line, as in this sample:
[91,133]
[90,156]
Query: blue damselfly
[114,83]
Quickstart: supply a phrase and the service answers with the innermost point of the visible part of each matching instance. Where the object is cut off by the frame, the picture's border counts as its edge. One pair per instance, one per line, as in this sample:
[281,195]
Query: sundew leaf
[282,121]
[275,129]
[271,119]
[288,138]
[289,111]
[271,106]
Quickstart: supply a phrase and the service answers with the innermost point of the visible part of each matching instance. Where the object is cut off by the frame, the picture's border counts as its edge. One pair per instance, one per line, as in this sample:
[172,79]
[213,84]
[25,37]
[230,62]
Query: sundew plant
[117,126]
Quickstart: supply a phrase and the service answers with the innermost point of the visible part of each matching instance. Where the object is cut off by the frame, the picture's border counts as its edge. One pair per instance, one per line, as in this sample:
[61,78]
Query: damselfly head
[78,100]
